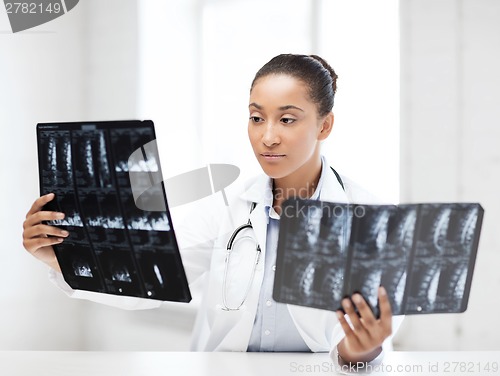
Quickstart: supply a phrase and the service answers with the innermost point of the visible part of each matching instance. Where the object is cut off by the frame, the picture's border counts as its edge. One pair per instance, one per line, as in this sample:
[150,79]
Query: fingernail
[64,233]
[60,239]
[59,215]
[382,291]
[346,303]
[340,315]
[357,298]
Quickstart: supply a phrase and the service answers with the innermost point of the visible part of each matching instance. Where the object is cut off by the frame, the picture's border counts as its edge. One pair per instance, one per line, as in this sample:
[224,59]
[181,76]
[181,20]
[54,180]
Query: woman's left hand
[363,340]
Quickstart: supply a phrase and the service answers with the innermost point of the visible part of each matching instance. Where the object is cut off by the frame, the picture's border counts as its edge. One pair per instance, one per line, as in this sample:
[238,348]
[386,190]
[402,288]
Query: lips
[272,156]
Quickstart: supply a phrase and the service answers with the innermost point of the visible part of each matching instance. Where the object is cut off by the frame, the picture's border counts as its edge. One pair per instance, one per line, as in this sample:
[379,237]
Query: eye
[287,120]
[256,119]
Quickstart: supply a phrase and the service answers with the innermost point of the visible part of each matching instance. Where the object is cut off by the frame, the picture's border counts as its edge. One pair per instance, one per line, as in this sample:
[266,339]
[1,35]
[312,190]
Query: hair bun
[330,70]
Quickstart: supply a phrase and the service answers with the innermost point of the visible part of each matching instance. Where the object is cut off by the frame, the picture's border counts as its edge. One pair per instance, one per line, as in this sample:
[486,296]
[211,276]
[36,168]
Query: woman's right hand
[38,238]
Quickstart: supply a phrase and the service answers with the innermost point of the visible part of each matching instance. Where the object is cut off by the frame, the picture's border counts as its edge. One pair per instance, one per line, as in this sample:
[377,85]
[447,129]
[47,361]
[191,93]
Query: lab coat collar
[260,191]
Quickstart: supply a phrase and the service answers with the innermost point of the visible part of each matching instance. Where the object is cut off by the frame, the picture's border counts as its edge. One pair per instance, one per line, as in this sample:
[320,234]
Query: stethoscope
[229,250]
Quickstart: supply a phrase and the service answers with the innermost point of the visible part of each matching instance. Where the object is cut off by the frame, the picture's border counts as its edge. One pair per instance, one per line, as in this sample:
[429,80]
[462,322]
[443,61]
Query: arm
[363,340]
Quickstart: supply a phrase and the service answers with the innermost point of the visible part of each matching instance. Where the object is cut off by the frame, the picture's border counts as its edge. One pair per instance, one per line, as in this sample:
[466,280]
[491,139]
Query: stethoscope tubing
[229,250]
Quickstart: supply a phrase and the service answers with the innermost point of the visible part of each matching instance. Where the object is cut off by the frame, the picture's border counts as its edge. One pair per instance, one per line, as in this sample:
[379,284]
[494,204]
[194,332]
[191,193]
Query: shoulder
[354,191]
[357,193]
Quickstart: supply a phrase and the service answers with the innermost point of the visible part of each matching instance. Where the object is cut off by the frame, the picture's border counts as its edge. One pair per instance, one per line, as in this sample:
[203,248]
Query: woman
[290,113]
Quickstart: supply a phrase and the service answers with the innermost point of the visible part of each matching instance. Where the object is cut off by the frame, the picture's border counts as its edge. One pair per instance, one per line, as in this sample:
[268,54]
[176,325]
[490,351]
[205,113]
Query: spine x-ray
[106,178]
[423,254]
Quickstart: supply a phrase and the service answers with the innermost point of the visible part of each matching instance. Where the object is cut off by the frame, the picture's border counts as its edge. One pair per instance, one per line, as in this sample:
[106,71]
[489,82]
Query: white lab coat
[203,240]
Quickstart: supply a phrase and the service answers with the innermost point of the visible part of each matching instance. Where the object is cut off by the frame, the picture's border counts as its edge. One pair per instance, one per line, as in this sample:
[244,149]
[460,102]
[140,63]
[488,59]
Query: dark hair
[312,70]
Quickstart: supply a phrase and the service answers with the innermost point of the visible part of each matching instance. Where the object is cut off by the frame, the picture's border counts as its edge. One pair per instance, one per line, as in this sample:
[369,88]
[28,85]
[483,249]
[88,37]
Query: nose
[271,136]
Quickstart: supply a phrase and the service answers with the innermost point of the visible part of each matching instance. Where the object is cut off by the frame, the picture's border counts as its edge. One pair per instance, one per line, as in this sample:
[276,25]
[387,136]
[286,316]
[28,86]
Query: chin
[274,173]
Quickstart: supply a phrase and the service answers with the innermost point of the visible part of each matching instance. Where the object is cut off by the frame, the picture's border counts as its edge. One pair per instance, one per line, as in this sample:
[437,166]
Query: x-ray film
[423,254]
[106,177]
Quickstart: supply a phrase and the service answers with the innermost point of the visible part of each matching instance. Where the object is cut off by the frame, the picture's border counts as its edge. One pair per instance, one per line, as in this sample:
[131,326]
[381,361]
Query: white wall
[450,138]
[361,39]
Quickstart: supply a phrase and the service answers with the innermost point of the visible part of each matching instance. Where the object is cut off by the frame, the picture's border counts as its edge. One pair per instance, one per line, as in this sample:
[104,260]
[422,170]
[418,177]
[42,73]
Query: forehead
[280,89]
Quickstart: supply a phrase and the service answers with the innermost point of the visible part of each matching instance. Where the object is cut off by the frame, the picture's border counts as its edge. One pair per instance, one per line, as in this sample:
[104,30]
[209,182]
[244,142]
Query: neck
[301,183]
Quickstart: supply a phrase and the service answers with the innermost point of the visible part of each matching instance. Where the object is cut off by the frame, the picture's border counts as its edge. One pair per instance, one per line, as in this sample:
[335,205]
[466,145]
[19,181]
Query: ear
[326,126]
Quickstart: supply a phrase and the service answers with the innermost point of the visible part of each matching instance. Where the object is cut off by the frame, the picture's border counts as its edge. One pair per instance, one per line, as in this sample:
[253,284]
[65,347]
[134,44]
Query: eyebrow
[282,108]
[253,104]
[290,106]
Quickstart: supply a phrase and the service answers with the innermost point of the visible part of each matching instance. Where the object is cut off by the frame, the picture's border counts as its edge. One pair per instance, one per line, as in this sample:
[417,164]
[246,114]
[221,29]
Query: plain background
[416,121]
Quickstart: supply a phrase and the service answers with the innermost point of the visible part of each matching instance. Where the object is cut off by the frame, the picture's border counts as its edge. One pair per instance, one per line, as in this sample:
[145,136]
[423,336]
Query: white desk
[60,363]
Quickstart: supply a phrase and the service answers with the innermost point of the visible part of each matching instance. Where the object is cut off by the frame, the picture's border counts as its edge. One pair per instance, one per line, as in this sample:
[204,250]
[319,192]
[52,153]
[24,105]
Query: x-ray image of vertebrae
[55,159]
[92,166]
[138,219]
[125,143]
[79,266]
[444,251]
[381,247]
[422,254]
[114,245]
[312,248]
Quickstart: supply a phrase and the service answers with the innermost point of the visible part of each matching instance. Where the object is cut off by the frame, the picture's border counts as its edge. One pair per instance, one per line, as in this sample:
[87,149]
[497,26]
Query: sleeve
[196,235]
[358,194]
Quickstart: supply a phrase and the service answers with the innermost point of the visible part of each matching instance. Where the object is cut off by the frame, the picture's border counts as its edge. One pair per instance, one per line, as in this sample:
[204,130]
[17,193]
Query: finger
[385,310]
[33,245]
[43,231]
[349,333]
[39,203]
[353,316]
[367,317]
[39,217]
[385,305]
